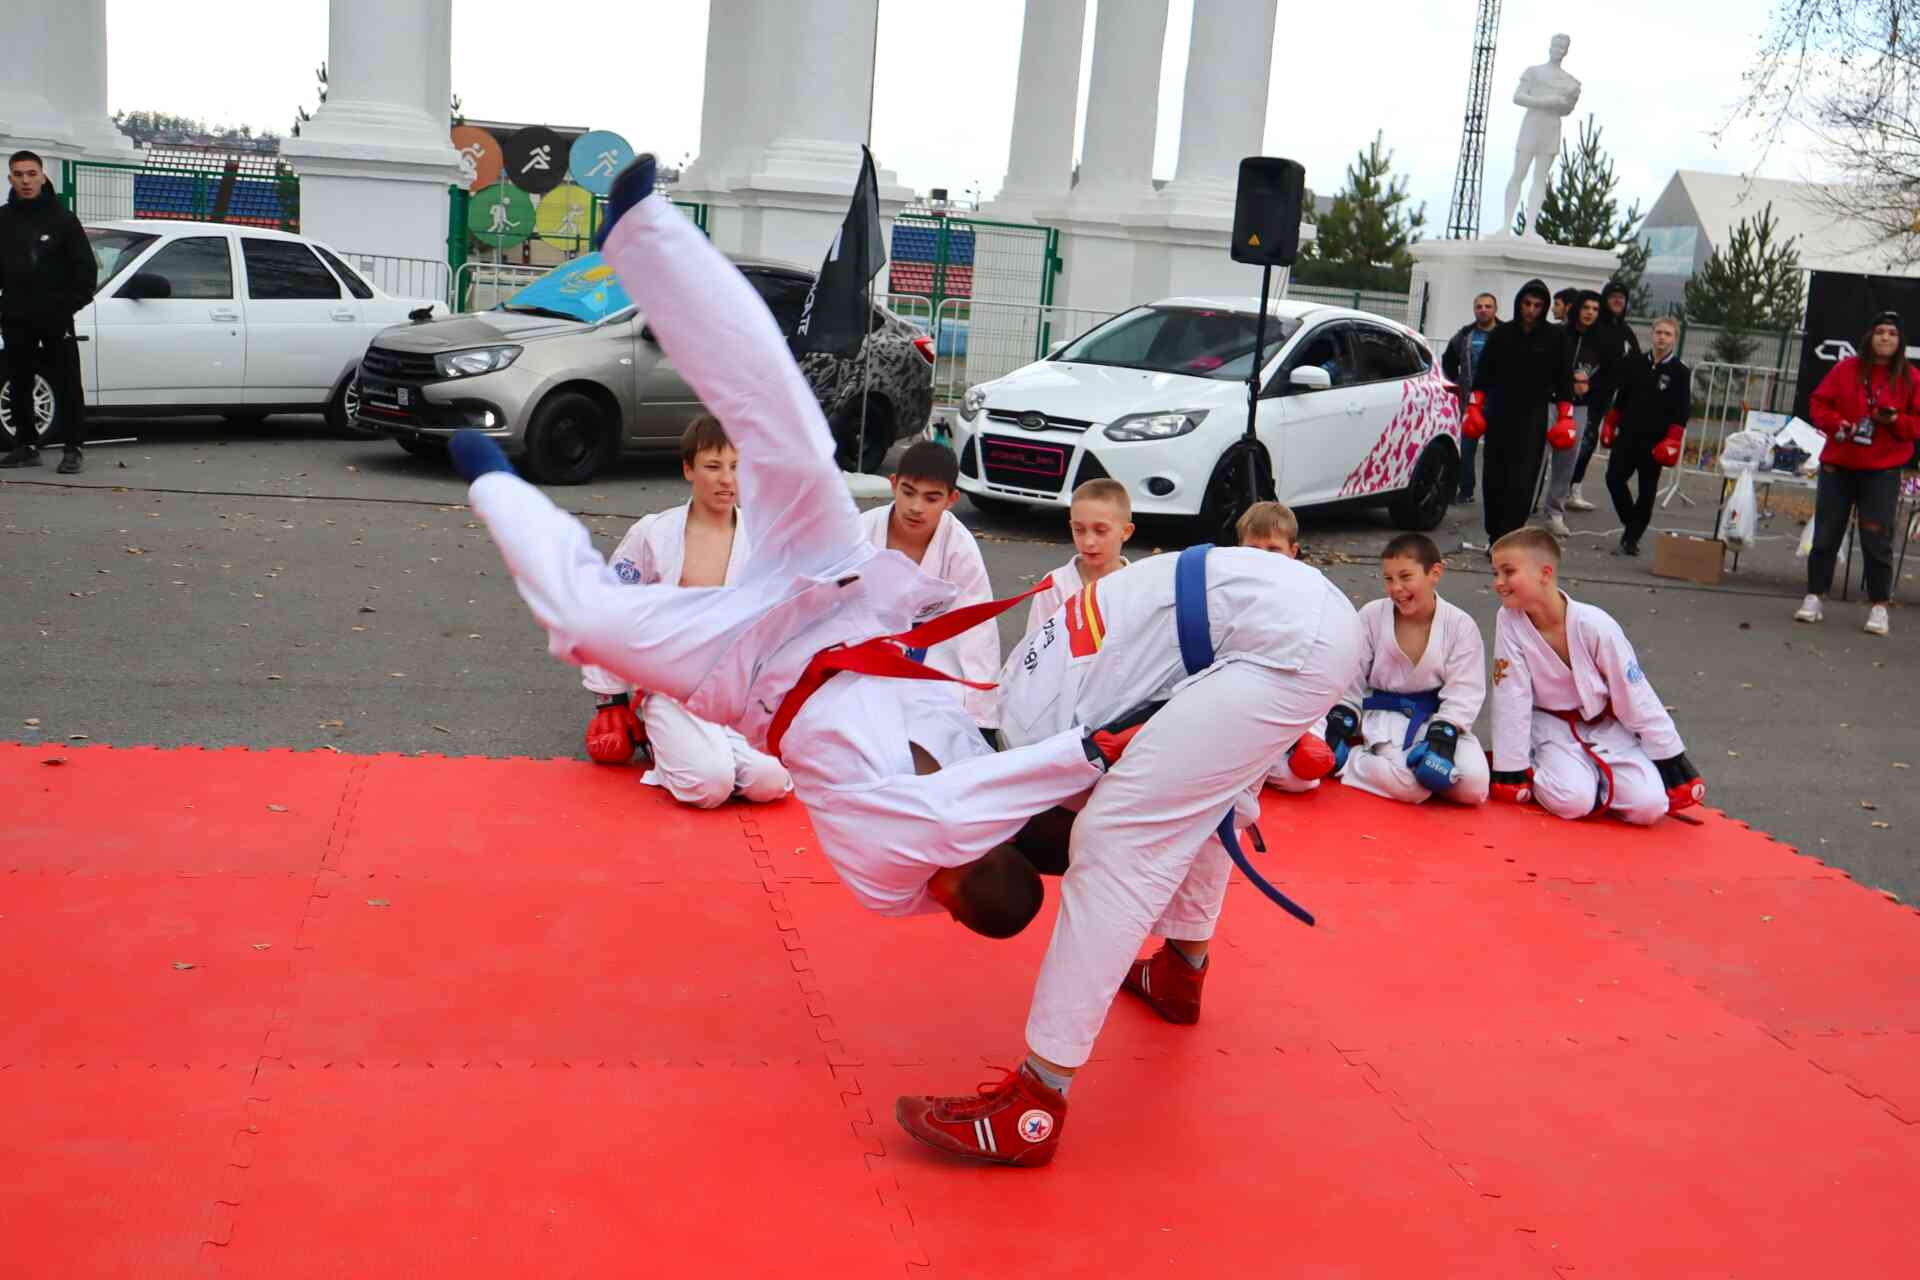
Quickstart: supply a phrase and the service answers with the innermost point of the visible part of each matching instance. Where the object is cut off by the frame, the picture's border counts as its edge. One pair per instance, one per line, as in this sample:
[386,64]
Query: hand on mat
[634,184]
[474,455]
[1311,758]
[1514,786]
[615,732]
[1685,788]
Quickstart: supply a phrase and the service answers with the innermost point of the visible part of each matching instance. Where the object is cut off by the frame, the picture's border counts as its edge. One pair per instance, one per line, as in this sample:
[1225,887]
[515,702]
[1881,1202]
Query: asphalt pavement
[271,586]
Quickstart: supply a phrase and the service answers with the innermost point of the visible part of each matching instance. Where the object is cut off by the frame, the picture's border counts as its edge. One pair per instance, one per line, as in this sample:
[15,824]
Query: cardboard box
[1694,559]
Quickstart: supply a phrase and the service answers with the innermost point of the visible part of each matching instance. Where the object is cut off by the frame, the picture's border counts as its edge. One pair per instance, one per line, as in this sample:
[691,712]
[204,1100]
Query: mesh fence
[1391,305]
[180,184]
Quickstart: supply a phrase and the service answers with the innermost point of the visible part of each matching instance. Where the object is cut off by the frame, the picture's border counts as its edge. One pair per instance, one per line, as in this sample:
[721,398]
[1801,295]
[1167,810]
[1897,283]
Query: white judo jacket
[655,550]
[1605,679]
[1066,582]
[1455,663]
[954,556]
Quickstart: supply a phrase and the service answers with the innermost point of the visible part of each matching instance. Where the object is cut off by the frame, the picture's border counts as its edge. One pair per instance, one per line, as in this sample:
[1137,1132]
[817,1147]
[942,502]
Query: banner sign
[1839,307]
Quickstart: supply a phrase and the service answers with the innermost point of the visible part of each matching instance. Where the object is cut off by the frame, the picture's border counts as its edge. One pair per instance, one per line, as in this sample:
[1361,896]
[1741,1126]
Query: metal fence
[914,308]
[253,191]
[422,278]
[1391,305]
[482,286]
[977,341]
[943,255]
[1722,395]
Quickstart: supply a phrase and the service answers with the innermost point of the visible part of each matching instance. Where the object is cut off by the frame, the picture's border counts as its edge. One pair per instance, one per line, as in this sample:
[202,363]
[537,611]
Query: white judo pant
[1566,780]
[704,764]
[1379,767]
[1143,857]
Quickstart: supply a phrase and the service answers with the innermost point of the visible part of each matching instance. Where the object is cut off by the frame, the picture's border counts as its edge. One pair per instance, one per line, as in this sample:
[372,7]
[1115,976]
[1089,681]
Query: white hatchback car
[1353,410]
[204,317]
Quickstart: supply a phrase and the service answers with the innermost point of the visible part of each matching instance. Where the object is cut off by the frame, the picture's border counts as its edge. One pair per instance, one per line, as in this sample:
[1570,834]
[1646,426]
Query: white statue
[1549,94]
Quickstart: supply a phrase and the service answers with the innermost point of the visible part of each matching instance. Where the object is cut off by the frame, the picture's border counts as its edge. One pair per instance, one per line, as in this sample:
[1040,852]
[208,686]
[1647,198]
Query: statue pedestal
[1448,273]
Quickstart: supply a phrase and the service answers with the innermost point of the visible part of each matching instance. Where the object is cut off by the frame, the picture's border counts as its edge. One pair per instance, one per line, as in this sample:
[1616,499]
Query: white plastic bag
[1742,511]
[1746,451]
[1840,556]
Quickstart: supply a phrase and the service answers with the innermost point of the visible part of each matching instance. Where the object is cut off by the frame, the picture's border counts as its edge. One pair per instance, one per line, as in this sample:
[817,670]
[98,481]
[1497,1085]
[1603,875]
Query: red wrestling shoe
[1168,983]
[1017,1121]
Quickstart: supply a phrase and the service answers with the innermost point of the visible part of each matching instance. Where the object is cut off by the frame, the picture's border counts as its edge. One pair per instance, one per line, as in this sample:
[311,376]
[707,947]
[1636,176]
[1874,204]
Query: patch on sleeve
[627,571]
[1634,674]
[1086,629]
[1500,667]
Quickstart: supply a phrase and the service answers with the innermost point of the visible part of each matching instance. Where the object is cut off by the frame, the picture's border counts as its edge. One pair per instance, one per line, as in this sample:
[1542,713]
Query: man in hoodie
[1457,363]
[1620,339]
[1522,373]
[46,274]
[1592,356]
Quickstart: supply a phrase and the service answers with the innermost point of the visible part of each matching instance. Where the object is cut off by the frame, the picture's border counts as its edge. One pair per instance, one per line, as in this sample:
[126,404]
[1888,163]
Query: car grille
[385,363]
[1089,469]
[1024,464]
[1033,420]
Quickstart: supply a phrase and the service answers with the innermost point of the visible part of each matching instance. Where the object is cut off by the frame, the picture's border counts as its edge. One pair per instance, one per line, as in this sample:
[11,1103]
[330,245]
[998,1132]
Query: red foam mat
[286,1014]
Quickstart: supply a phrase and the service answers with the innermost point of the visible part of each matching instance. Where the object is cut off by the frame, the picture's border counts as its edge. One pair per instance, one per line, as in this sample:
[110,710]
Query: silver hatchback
[566,374]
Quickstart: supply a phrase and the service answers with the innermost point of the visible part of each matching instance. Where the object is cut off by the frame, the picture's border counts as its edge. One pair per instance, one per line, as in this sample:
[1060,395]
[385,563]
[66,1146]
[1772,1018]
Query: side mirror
[143,285]
[646,335]
[1309,377]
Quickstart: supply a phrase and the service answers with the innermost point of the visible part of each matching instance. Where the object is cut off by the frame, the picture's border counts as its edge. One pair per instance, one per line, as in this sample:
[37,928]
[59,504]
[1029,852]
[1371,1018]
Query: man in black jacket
[1652,400]
[1457,363]
[46,275]
[1623,343]
[1592,353]
[1522,373]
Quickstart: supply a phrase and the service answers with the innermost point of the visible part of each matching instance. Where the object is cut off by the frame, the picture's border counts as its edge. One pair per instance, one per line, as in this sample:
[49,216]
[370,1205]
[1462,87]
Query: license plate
[1041,461]
[402,396]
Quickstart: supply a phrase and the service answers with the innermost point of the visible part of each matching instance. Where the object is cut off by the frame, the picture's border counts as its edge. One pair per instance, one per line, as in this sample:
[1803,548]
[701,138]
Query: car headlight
[465,364]
[973,403]
[1155,426]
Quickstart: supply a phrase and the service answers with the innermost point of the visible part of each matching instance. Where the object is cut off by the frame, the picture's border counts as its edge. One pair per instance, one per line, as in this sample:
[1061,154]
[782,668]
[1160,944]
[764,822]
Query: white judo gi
[1143,857]
[953,556]
[812,579]
[699,763]
[1066,582]
[1455,666]
[1624,725]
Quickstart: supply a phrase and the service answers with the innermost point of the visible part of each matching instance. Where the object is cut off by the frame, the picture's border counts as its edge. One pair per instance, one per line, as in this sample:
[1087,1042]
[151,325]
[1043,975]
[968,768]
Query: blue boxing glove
[474,455]
[1432,761]
[634,184]
[1343,730]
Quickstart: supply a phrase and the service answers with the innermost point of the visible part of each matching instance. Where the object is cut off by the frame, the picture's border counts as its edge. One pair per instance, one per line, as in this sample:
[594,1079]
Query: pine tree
[1750,283]
[1581,209]
[1369,224]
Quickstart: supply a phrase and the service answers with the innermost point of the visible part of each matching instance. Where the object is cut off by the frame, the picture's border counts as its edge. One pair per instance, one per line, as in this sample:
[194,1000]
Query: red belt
[886,656]
[1574,720]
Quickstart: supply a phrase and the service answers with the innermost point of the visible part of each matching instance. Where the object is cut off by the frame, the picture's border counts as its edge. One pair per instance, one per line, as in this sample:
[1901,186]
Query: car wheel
[42,409]
[432,447]
[343,410]
[566,439]
[1422,505]
[1226,494]
[879,438]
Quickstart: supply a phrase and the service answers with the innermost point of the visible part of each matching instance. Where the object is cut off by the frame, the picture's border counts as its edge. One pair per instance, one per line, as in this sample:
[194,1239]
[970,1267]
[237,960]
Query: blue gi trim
[1196,653]
[917,655]
[1418,708]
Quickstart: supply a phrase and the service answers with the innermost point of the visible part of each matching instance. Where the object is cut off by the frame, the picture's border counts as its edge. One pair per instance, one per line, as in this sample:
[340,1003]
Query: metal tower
[1463,218]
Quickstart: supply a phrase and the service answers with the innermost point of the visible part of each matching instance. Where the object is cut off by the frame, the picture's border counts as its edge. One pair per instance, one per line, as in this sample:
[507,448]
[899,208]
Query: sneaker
[1168,983]
[1556,526]
[1877,620]
[1017,1121]
[1463,499]
[1576,501]
[24,456]
[1809,610]
[70,463]
[1628,546]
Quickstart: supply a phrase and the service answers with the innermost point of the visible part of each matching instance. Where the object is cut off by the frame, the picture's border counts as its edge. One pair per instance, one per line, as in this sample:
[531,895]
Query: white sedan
[1352,410]
[203,317]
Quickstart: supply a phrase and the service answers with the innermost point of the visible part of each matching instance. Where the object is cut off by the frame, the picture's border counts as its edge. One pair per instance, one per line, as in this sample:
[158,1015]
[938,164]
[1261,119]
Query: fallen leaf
[378,902]
[333,724]
[76,737]
[183,964]
[1883,826]
[1868,804]
[1766,919]
[135,551]
[1898,764]
[276,808]
[363,628]
[475,635]
[54,760]
[33,722]
[368,609]
[1733,755]
[276,677]
[440,728]
[398,675]
[262,946]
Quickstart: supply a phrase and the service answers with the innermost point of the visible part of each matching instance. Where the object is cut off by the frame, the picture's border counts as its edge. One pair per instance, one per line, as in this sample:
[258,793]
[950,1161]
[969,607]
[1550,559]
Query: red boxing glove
[1667,452]
[1475,424]
[1609,425]
[1685,788]
[614,733]
[1564,434]
[1515,787]
[1110,741]
[1310,758]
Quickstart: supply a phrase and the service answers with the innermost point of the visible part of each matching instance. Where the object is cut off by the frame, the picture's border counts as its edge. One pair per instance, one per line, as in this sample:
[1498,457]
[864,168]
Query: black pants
[1875,495]
[1509,472]
[1626,461]
[49,351]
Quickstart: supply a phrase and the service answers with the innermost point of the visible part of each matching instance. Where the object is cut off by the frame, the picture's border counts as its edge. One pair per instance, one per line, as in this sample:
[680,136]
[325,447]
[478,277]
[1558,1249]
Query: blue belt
[1418,708]
[917,655]
[1196,652]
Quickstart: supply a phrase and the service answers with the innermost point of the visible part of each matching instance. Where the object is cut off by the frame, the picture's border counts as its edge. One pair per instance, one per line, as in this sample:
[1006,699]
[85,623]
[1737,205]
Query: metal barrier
[1393,306]
[914,308]
[977,341]
[423,278]
[249,190]
[1722,395]
[481,286]
[945,254]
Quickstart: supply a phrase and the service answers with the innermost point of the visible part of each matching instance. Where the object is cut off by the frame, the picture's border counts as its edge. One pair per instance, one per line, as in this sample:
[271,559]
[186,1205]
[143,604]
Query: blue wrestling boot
[474,455]
[634,184]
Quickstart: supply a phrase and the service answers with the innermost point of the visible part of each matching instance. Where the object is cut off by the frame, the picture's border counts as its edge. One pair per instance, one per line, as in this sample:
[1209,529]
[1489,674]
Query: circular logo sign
[596,157]
[500,217]
[536,158]
[1036,1125]
[479,156]
[565,217]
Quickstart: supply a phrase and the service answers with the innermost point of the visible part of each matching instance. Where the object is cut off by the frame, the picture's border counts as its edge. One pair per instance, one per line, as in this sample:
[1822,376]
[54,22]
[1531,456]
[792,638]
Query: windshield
[585,289]
[113,250]
[1196,341]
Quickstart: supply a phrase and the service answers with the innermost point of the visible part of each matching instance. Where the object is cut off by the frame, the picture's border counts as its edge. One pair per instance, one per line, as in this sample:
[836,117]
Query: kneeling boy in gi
[1405,730]
[920,524]
[697,544]
[1576,726]
[1101,520]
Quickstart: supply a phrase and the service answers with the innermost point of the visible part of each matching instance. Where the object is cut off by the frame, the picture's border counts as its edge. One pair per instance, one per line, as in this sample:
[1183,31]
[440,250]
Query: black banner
[836,319]
[1839,308]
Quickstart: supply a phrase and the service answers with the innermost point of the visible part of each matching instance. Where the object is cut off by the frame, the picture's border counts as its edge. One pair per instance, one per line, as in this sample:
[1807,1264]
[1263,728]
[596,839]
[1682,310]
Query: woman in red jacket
[1868,407]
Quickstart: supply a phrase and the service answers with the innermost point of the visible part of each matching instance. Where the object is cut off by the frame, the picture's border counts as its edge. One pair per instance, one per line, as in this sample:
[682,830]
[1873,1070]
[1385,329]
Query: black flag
[836,319]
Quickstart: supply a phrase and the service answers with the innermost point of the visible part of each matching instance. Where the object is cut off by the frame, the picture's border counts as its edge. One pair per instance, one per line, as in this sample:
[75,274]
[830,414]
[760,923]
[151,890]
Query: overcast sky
[1659,77]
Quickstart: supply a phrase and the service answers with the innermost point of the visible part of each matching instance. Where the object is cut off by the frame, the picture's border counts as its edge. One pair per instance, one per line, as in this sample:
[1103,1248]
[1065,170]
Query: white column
[376,159]
[76,79]
[825,84]
[737,31]
[1229,67]
[1116,161]
[1040,152]
[27,117]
